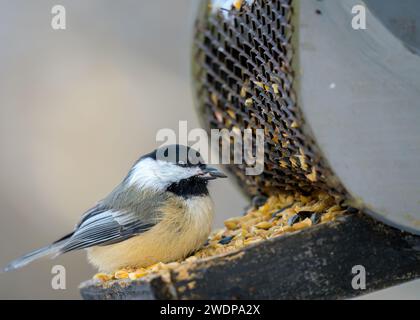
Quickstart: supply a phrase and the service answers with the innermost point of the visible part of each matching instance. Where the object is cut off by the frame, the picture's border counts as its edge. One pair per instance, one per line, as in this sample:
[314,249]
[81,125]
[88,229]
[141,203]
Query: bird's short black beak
[211,173]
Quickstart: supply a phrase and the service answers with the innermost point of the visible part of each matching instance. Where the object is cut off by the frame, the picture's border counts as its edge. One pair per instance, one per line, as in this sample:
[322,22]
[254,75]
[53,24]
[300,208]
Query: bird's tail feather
[50,250]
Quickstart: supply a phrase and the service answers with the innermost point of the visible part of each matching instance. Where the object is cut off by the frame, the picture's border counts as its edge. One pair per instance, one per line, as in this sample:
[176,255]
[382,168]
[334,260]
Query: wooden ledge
[313,263]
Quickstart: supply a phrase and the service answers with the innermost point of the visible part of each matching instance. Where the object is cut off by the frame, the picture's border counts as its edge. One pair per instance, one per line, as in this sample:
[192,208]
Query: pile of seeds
[280,214]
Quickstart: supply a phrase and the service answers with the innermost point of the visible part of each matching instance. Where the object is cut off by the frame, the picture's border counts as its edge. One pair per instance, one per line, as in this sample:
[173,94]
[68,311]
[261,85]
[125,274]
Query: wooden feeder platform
[313,263]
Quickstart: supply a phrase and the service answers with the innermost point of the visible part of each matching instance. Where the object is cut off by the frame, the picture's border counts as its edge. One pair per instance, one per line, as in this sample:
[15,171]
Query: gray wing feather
[104,227]
[123,214]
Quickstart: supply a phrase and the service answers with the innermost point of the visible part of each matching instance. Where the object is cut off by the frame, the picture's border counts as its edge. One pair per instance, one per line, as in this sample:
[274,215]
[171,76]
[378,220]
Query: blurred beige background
[77,108]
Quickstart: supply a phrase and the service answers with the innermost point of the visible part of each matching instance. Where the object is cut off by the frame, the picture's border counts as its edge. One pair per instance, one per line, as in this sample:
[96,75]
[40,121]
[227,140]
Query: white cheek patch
[158,174]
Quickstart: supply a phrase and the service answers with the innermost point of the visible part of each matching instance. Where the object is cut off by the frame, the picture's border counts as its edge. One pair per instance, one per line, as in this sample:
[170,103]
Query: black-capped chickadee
[160,212]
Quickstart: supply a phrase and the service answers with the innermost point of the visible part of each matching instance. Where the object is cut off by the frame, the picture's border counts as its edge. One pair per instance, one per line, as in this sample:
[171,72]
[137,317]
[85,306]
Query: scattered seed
[312,176]
[259,84]
[302,160]
[121,274]
[293,219]
[283,163]
[136,275]
[243,92]
[279,212]
[259,201]
[231,114]
[217,234]
[293,162]
[102,277]
[315,218]
[302,224]
[226,240]
[264,225]
[237,4]
[231,224]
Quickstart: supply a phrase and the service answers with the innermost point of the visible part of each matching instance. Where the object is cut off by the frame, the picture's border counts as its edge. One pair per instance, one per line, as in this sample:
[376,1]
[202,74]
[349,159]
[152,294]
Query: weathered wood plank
[314,263]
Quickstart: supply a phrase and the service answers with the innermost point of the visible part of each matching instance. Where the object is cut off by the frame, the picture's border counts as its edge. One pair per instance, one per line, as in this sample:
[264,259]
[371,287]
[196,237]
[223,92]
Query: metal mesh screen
[244,79]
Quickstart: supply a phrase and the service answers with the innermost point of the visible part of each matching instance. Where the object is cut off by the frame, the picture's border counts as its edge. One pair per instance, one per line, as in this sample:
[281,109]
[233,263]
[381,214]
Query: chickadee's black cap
[178,154]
